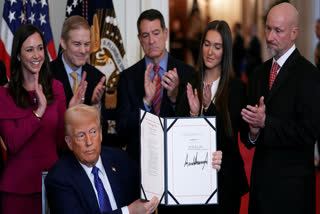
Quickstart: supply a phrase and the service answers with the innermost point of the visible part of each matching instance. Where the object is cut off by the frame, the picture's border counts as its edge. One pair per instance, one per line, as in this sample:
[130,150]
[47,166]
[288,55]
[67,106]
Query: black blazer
[232,181]
[93,78]
[282,176]
[69,189]
[130,99]
[59,72]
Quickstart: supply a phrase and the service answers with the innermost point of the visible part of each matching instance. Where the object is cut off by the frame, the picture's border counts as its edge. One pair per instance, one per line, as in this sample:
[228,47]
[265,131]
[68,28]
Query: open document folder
[176,156]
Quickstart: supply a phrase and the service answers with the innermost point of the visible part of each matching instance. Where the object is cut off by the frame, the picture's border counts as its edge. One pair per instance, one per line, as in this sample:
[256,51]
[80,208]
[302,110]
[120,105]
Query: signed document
[176,156]
[152,156]
[190,144]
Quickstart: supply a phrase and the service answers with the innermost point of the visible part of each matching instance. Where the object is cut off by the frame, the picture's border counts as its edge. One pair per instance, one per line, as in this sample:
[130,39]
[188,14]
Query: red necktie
[156,102]
[273,74]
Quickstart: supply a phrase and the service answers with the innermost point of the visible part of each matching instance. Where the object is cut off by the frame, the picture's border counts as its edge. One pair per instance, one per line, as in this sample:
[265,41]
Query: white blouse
[214,88]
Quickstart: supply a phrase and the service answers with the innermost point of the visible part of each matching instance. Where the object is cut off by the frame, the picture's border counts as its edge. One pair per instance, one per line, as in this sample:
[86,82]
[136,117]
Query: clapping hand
[79,96]
[41,98]
[149,86]
[170,83]
[255,116]
[98,92]
[193,100]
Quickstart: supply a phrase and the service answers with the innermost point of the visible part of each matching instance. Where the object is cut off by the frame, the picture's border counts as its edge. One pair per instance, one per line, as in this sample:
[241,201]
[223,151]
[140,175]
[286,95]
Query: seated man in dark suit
[153,84]
[92,179]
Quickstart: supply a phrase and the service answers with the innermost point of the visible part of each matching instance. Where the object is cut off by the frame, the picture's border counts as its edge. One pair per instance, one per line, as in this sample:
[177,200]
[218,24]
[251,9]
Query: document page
[190,144]
[152,156]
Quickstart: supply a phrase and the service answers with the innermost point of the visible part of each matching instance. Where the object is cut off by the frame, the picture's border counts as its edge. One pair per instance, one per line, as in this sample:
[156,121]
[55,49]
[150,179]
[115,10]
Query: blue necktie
[104,202]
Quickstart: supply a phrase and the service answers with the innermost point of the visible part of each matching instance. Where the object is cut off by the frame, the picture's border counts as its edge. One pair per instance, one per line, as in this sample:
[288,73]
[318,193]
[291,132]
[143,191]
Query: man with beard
[283,119]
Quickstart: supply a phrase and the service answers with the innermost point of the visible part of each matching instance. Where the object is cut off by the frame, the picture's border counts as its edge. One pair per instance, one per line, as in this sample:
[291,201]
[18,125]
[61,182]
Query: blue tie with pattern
[104,202]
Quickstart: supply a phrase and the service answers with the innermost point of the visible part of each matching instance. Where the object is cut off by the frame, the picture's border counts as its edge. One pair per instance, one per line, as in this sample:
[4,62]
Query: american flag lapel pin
[113,169]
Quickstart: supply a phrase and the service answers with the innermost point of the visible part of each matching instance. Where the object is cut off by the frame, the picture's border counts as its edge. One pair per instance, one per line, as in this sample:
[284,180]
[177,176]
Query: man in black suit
[75,42]
[283,117]
[91,179]
[137,84]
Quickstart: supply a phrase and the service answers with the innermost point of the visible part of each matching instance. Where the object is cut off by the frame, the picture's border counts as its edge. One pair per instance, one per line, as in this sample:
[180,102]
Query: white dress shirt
[214,88]
[104,178]
[284,57]
[69,71]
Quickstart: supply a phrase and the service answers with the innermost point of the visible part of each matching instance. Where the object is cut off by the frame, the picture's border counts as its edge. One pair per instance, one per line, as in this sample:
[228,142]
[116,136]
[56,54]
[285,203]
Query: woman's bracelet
[37,115]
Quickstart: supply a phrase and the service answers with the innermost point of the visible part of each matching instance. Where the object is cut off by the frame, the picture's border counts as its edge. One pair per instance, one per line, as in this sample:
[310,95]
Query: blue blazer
[69,189]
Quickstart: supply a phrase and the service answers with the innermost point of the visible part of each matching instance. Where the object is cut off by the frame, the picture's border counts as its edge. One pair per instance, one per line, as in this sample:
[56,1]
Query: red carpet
[318,192]
[247,156]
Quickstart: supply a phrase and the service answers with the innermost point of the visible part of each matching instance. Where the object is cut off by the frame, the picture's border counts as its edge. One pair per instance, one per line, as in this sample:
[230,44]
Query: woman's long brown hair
[221,96]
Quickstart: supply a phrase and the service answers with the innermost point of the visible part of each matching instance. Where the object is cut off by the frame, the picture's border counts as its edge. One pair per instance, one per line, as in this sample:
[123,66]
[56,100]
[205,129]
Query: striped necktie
[156,102]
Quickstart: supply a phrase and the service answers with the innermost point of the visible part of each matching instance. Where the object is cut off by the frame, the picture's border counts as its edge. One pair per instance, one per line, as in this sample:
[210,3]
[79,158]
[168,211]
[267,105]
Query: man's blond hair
[80,113]
[73,23]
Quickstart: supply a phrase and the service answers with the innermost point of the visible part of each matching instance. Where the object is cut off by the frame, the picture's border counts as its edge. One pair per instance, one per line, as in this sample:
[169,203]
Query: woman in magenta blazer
[31,122]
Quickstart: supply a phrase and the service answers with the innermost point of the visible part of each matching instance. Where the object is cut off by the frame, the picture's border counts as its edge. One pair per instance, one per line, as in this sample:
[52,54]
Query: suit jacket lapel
[84,185]
[90,86]
[112,174]
[62,76]
[141,67]
[171,63]
[265,84]
[284,73]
